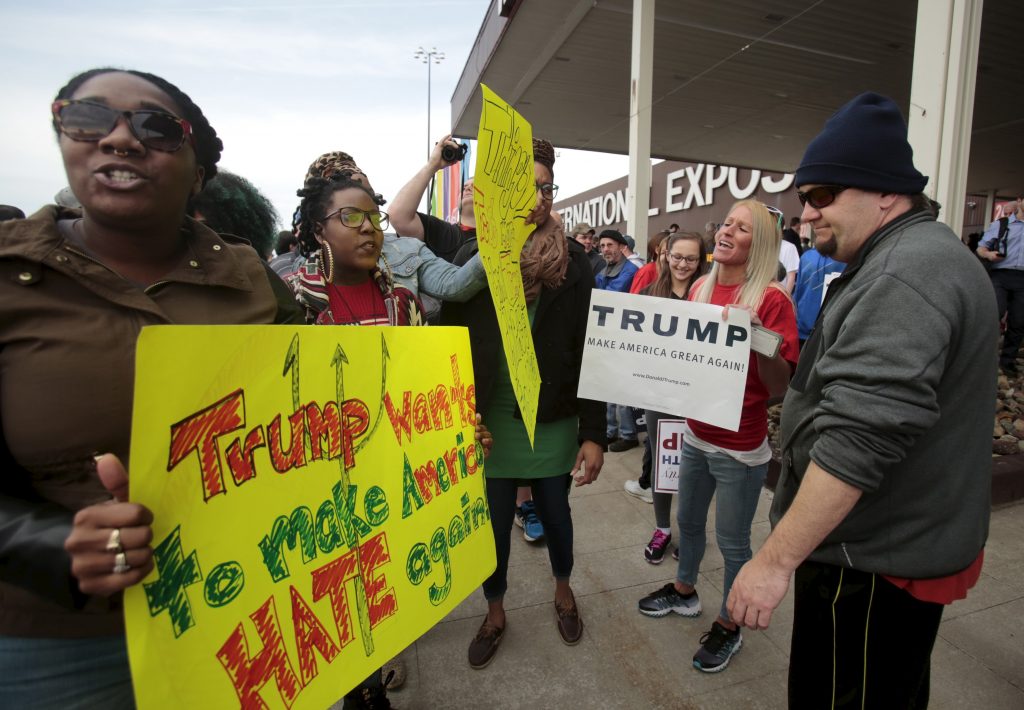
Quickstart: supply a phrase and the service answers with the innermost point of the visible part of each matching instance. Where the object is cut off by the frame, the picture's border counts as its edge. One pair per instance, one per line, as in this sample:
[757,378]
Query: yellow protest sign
[318,502]
[503,194]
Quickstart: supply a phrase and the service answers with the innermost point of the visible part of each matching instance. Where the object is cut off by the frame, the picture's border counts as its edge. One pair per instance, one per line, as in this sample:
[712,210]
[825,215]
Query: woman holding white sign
[686,261]
[731,465]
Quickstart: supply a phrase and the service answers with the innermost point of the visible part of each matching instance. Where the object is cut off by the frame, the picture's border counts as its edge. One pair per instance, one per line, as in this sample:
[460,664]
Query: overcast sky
[281,82]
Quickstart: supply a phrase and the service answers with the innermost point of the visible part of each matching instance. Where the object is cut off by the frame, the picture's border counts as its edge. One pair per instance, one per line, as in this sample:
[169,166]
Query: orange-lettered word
[332,431]
[432,410]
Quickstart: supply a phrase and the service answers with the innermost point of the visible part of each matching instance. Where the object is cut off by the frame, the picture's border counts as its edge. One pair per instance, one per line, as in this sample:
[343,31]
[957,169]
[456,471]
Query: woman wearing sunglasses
[76,288]
[686,261]
[731,465]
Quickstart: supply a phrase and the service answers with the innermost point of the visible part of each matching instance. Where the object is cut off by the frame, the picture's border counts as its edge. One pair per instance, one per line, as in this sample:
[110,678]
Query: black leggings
[551,499]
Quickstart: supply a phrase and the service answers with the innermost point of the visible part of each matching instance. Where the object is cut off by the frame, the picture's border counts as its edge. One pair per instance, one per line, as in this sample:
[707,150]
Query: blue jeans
[65,673]
[621,422]
[738,487]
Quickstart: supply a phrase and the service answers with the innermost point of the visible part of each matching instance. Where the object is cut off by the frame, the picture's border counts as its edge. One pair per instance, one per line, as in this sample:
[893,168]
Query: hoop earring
[327,262]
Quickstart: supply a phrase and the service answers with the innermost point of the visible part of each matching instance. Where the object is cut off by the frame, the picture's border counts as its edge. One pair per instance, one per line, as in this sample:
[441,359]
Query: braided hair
[316,193]
[544,153]
[207,145]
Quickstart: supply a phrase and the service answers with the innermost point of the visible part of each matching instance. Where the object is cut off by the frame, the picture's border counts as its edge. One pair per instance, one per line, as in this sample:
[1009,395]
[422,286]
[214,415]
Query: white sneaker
[633,488]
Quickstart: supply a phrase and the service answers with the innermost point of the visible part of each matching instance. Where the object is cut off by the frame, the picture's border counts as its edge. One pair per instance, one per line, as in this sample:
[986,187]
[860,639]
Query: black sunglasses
[90,121]
[820,196]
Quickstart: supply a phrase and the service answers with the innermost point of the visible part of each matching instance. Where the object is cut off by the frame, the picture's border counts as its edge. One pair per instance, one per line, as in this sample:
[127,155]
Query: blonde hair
[762,259]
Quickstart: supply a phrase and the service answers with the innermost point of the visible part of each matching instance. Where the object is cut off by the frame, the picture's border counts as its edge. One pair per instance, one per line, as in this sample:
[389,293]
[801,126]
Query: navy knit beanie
[863,145]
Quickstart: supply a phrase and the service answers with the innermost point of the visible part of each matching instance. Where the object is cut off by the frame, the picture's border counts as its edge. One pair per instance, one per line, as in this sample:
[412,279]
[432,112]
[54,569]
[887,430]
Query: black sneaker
[667,599]
[716,648]
[367,698]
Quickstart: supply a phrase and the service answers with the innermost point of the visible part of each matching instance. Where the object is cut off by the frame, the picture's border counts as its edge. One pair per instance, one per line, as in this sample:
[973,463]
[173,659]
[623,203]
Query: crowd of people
[888,372]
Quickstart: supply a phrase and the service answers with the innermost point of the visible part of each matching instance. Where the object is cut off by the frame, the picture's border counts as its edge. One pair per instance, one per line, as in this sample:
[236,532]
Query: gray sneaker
[667,599]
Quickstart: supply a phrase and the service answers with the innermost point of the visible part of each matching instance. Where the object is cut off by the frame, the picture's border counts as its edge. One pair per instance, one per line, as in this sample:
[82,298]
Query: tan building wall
[687,194]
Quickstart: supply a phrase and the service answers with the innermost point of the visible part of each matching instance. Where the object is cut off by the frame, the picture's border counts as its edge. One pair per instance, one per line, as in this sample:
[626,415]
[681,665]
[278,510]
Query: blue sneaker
[716,648]
[526,518]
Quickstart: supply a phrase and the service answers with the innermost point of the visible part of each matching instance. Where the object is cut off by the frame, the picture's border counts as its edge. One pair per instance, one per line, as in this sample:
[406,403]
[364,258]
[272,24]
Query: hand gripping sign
[318,505]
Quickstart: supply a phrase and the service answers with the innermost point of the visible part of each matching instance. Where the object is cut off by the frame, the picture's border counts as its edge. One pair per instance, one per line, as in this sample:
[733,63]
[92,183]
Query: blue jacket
[810,287]
[612,278]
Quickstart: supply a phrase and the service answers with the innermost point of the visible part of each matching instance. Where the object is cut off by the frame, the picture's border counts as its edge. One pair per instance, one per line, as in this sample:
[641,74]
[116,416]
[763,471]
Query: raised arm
[403,207]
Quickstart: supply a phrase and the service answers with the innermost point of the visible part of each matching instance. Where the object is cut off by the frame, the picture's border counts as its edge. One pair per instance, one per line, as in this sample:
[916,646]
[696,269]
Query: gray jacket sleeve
[880,379]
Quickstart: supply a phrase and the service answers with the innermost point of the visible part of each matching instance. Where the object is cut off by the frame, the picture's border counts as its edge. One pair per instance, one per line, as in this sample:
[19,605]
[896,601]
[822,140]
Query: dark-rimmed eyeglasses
[677,258]
[90,121]
[354,218]
[820,196]
[547,189]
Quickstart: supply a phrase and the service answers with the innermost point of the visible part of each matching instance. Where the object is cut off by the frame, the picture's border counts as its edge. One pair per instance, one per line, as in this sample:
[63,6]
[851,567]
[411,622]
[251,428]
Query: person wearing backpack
[1003,246]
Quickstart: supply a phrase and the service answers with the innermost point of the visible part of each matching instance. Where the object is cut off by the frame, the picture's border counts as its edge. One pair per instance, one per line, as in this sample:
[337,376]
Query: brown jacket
[68,327]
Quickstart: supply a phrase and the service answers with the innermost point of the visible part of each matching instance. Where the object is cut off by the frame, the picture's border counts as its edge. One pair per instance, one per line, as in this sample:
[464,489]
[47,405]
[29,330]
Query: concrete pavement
[627,660]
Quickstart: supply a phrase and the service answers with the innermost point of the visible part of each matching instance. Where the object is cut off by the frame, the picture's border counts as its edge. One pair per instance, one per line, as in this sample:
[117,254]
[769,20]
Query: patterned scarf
[545,259]
[403,308]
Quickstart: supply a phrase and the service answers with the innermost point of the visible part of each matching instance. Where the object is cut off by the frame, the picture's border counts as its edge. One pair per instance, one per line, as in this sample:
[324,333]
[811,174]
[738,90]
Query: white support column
[942,99]
[638,189]
[990,205]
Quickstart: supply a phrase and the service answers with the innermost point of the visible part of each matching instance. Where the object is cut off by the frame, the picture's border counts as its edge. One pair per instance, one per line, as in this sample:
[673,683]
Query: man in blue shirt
[809,293]
[1007,274]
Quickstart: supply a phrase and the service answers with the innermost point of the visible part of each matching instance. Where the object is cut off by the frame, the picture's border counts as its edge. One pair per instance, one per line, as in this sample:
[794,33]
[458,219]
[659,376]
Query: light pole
[428,58]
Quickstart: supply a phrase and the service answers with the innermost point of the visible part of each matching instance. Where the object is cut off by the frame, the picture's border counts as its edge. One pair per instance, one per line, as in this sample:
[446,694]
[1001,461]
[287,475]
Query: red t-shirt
[362,304]
[942,590]
[777,314]
[643,278]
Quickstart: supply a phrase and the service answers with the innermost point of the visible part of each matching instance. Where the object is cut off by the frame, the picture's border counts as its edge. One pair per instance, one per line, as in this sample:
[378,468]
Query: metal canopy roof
[737,82]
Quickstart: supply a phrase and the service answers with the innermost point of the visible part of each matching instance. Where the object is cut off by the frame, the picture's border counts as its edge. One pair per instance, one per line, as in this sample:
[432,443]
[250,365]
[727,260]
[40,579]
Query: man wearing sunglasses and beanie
[882,507]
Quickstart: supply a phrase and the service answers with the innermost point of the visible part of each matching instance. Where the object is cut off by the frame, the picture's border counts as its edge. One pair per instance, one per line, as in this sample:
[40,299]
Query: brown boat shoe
[570,625]
[485,645]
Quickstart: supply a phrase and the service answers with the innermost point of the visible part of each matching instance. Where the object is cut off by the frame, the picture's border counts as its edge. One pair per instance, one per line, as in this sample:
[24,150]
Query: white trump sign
[671,356]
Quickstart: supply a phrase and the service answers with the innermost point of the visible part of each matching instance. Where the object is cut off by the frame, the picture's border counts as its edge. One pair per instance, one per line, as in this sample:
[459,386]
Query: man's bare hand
[756,592]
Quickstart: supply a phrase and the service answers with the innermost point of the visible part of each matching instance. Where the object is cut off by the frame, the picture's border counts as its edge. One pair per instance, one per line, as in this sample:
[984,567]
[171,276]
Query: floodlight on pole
[429,57]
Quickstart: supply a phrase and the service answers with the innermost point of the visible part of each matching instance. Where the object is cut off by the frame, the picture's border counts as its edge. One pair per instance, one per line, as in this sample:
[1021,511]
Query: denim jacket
[429,276]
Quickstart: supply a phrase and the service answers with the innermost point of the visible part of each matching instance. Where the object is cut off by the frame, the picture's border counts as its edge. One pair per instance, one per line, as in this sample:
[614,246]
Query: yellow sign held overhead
[318,502]
[503,195]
